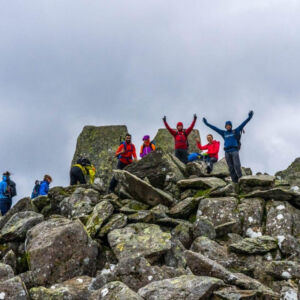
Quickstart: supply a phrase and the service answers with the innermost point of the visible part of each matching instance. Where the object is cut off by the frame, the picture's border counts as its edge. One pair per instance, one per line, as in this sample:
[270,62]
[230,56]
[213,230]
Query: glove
[165,119]
[204,120]
[195,117]
[251,113]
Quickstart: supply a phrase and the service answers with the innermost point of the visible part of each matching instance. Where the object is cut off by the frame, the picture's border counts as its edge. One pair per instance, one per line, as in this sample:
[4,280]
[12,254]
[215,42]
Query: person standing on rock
[126,154]
[147,146]
[7,192]
[80,169]
[232,145]
[211,156]
[181,138]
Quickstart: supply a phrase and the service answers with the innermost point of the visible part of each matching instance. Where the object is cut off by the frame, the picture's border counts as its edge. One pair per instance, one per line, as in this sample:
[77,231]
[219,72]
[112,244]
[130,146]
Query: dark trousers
[5,205]
[76,176]
[234,165]
[182,155]
[210,161]
[114,181]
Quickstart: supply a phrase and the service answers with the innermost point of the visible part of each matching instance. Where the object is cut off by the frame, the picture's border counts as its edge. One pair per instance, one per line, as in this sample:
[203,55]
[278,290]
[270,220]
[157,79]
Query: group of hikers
[126,154]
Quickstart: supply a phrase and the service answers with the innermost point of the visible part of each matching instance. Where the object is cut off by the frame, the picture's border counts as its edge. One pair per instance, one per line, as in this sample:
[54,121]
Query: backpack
[238,136]
[11,190]
[187,140]
[152,143]
[125,148]
[36,189]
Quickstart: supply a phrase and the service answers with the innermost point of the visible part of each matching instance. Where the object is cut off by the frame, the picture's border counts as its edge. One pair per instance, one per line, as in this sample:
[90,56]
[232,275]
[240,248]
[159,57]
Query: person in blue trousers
[7,192]
[232,145]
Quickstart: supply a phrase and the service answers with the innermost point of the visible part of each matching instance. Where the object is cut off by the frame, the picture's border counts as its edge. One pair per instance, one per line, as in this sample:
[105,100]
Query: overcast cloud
[66,64]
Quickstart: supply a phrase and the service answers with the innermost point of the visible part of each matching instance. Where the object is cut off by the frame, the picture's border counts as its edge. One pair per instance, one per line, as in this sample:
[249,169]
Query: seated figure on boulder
[82,168]
[211,156]
[147,146]
[41,188]
[181,138]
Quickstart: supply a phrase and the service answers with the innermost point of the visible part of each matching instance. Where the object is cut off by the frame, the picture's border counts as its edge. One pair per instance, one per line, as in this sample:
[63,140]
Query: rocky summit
[170,232]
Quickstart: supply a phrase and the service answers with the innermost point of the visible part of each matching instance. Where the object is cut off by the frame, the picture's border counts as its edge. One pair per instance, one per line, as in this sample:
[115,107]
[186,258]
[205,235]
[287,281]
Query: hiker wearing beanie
[181,138]
[147,146]
[7,192]
[232,145]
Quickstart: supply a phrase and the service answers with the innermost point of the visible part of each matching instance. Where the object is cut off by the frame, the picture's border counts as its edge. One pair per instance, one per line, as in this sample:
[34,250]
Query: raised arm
[189,130]
[201,147]
[250,115]
[172,131]
[218,130]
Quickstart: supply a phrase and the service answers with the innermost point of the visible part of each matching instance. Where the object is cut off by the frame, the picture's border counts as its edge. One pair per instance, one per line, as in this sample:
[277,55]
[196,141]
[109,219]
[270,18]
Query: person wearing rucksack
[126,154]
[147,146]
[232,145]
[181,138]
[41,188]
[82,168]
[7,192]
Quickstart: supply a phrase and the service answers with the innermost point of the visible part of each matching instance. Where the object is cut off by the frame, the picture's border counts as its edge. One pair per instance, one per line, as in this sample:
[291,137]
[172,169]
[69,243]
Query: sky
[67,64]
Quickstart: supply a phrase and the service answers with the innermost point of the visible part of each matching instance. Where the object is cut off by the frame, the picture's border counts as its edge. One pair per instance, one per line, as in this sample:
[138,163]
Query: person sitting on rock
[126,154]
[147,146]
[82,168]
[41,188]
[181,138]
[232,145]
[7,192]
[211,156]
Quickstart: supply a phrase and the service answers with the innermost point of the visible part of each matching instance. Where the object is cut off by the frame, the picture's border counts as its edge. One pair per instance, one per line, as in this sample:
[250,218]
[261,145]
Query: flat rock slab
[139,239]
[201,183]
[59,249]
[257,181]
[141,190]
[184,208]
[183,287]
[258,245]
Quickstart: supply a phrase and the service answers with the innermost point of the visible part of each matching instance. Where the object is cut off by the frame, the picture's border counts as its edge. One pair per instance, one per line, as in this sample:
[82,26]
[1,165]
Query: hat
[228,123]
[7,173]
[179,124]
[146,137]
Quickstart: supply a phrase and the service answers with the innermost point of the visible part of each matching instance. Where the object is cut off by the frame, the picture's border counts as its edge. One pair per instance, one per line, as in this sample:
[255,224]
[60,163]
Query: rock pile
[173,232]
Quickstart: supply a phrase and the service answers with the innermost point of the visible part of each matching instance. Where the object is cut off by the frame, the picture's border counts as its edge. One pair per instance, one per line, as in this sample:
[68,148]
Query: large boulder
[258,182]
[59,249]
[165,140]
[201,183]
[292,173]
[159,168]
[13,289]
[139,239]
[18,225]
[99,144]
[141,190]
[183,287]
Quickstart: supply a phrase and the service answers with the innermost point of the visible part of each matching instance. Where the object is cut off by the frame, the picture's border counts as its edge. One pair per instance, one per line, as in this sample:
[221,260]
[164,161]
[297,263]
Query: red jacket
[181,136]
[212,149]
[126,158]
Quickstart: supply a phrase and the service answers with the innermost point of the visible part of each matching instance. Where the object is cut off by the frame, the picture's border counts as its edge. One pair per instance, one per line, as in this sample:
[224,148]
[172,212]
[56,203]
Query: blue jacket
[3,187]
[44,188]
[230,136]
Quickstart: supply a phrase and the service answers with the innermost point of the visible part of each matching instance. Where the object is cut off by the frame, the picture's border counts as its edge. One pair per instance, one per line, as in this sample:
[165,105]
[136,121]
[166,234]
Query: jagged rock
[22,205]
[225,191]
[99,145]
[232,293]
[10,259]
[17,226]
[259,245]
[59,249]
[101,213]
[225,228]
[175,256]
[203,227]
[292,173]
[158,167]
[132,206]
[80,203]
[183,287]
[13,289]
[284,270]
[201,183]
[141,190]
[40,202]
[252,213]
[115,222]
[144,216]
[220,211]
[258,182]
[165,140]
[289,293]
[160,211]
[75,289]
[139,240]
[184,208]
[6,272]
[289,245]
[115,290]
[170,222]
[212,250]
[182,232]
